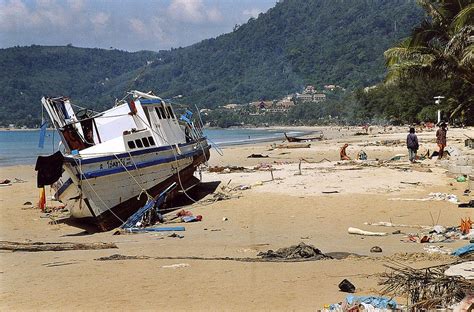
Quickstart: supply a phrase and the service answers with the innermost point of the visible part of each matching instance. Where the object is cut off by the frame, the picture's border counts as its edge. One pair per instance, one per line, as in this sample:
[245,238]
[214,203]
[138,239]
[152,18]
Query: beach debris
[149,214]
[470,204]
[5,182]
[461,179]
[376,249]
[432,196]
[263,167]
[390,224]
[228,169]
[374,301]
[175,266]
[330,192]
[225,219]
[464,251]
[426,288]
[346,286]
[432,249]
[357,231]
[40,246]
[466,225]
[257,156]
[300,251]
[292,145]
[149,229]
[27,203]
[121,257]
[174,235]
[464,269]
[362,155]
[397,157]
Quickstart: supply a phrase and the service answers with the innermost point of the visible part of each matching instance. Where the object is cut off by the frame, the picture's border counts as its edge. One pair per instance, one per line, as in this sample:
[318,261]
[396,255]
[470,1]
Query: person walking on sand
[412,145]
[343,154]
[441,139]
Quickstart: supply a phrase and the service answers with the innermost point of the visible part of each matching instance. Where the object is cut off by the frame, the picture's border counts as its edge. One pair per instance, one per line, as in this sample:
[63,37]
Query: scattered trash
[149,229]
[357,231]
[461,179]
[225,219]
[362,155]
[470,204]
[376,302]
[432,196]
[425,289]
[191,218]
[40,246]
[292,145]
[431,249]
[376,249]
[300,251]
[397,157]
[174,235]
[346,286]
[257,156]
[28,203]
[175,266]
[330,192]
[466,225]
[228,169]
[464,269]
[463,251]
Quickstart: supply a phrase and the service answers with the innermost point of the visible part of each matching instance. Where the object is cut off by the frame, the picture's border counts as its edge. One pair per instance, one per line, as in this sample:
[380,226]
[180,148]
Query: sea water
[21,147]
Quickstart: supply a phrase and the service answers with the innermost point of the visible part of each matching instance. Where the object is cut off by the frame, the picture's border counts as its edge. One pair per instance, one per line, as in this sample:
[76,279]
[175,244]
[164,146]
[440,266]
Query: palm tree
[441,46]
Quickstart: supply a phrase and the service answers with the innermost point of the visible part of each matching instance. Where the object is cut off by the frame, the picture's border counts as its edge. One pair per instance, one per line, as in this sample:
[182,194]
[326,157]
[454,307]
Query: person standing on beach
[412,145]
[441,139]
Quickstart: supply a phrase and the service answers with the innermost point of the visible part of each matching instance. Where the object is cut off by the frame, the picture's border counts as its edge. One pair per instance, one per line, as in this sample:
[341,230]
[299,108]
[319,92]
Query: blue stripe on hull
[104,172]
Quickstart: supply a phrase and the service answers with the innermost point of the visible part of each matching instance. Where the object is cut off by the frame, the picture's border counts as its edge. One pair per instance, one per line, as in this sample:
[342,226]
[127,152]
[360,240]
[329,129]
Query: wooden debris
[40,246]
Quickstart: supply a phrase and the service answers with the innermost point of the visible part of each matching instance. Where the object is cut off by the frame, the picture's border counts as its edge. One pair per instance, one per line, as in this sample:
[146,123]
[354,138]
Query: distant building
[232,106]
[304,97]
[319,97]
[282,106]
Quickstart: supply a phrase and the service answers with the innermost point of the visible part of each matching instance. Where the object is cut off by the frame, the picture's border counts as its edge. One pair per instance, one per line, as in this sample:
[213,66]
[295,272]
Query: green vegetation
[294,44]
[440,47]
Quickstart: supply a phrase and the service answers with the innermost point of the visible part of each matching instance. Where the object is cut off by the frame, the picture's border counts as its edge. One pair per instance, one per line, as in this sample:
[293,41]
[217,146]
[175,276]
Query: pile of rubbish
[228,169]
[300,251]
[363,303]
[437,287]
[433,196]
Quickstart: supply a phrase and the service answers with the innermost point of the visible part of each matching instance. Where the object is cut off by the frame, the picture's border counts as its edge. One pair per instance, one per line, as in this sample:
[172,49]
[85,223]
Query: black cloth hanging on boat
[50,169]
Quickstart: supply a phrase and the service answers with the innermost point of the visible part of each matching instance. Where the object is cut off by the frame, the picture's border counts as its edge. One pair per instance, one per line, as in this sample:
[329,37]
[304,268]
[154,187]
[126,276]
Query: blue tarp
[463,250]
[377,302]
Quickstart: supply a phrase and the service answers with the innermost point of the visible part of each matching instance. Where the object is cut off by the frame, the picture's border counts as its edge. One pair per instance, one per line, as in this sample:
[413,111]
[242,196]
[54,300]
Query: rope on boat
[81,174]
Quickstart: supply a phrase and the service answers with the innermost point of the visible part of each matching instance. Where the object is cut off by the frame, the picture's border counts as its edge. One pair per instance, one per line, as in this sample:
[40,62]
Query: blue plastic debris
[377,302]
[463,250]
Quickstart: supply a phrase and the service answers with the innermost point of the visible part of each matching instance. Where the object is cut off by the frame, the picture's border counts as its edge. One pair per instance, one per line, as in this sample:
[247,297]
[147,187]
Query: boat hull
[114,188]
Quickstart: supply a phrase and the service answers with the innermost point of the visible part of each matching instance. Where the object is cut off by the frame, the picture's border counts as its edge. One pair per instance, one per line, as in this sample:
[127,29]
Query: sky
[130,25]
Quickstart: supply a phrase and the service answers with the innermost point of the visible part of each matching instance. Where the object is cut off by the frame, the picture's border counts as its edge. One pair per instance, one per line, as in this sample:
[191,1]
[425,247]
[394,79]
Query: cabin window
[139,143]
[170,111]
[147,114]
[152,142]
[131,144]
[145,142]
[158,113]
[163,113]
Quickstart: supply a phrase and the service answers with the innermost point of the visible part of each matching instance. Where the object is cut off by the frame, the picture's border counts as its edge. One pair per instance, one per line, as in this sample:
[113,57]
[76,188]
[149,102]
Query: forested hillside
[298,42]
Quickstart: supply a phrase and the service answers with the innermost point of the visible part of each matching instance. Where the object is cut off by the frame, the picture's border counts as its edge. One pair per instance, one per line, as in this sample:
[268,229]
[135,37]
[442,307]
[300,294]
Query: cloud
[76,5]
[254,12]
[100,20]
[193,11]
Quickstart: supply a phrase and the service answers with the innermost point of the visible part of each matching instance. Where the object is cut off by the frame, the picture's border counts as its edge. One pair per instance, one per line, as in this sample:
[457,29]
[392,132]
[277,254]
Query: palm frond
[463,18]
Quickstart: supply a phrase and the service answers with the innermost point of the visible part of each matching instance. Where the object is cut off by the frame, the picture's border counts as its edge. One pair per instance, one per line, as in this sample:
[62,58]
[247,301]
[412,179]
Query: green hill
[298,42]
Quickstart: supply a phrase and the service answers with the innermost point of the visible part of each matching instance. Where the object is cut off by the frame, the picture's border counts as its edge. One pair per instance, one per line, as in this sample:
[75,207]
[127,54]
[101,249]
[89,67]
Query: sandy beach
[308,196]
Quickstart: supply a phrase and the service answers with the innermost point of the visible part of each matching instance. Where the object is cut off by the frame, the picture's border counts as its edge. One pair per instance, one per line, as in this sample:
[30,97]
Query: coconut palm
[442,45]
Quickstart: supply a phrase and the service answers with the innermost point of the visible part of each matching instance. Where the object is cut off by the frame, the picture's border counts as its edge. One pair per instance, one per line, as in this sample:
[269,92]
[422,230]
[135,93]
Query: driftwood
[40,246]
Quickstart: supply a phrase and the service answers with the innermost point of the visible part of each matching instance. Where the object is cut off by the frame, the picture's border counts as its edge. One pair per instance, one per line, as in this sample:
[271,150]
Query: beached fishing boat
[114,161]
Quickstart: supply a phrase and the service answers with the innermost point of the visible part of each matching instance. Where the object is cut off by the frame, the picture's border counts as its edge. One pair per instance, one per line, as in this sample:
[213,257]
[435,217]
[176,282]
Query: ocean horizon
[20,147]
